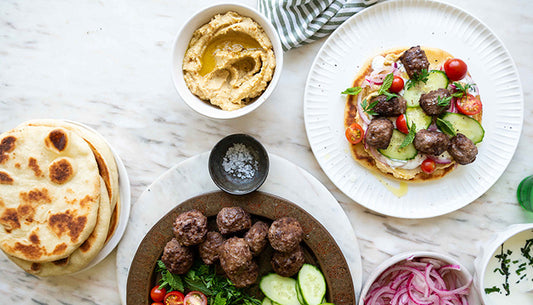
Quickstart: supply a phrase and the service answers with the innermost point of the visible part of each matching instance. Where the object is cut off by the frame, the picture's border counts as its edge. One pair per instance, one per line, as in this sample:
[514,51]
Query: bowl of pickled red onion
[419,278]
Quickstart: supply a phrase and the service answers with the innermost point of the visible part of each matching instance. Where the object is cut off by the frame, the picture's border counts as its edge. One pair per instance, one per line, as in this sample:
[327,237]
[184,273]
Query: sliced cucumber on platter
[466,125]
[436,79]
[312,285]
[279,289]
[419,117]
[395,152]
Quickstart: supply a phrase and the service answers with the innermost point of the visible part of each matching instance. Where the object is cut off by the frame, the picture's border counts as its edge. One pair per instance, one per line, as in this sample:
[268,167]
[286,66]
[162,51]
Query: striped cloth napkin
[299,22]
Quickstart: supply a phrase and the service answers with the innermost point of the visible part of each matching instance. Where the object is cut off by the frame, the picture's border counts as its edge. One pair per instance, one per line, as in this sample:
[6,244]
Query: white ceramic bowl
[180,46]
[486,252]
[464,275]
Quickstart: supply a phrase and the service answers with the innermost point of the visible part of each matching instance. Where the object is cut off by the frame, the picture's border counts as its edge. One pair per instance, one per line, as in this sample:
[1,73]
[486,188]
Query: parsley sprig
[461,90]
[368,107]
[418,77]
[410,136]
[444,102]
[352,91]
[203,278]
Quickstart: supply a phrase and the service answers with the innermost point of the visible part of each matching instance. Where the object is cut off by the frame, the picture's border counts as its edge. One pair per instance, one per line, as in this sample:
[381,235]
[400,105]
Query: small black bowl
[238,164]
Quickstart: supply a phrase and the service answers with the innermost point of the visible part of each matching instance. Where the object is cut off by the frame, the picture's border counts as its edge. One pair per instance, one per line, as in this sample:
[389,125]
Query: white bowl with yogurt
[504,268]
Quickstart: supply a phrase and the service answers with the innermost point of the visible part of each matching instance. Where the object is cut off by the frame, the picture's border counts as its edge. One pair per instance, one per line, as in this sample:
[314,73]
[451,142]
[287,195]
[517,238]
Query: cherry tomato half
[469,105]
[401,124]
[157,294]
[195,298]
[354,133]
[397,84]
[174,298]
[428,166]
[455,69]
[157,303]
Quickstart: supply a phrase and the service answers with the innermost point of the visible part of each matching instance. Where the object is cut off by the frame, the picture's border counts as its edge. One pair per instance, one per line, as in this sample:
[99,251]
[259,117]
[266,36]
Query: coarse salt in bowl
[182,42]
[407,277]
[238,164]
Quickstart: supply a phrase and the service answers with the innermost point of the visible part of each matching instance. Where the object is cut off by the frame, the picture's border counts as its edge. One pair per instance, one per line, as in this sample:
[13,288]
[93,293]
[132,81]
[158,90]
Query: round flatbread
[105,159]
[81,256]
[49,193]
[370,158]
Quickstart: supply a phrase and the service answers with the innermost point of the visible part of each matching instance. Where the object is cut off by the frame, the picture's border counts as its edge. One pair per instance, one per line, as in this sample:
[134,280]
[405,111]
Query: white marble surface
[107,64]
[191,178]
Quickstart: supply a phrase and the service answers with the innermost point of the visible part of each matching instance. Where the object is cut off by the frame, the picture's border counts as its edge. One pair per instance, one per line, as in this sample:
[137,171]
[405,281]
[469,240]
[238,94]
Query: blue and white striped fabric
[299,22]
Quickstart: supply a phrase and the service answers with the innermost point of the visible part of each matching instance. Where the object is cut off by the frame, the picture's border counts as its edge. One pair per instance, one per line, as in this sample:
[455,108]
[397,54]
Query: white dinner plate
[408,23]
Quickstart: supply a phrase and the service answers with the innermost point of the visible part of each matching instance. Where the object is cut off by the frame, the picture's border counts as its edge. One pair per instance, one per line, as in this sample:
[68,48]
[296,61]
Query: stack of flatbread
[59,196]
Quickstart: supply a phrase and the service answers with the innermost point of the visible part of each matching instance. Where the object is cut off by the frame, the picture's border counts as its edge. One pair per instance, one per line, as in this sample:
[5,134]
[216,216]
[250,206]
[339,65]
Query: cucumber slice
[279,289]
[266,301]
[312,284]
[436,79]
[419,117]
[395,152]
[299,294]
[466,125]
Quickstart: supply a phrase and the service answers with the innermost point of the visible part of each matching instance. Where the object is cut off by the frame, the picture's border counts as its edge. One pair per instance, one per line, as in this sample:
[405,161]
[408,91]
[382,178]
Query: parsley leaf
[368,107]
[418,77]
[461,90]
[444,102]
[352,91]
[410,136]
[446,127]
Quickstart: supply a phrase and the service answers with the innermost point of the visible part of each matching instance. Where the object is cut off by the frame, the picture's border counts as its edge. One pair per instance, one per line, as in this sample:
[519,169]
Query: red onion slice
[361,112]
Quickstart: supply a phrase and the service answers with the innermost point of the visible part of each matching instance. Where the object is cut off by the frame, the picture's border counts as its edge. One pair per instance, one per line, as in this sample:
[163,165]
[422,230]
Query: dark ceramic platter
[319,246]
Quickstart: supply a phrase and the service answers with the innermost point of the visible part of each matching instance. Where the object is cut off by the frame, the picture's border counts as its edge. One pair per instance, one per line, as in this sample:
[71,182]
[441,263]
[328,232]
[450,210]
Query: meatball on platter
[244,237]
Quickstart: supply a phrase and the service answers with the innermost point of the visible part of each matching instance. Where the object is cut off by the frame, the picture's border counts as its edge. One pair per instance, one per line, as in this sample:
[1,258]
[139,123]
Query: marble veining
[107,64]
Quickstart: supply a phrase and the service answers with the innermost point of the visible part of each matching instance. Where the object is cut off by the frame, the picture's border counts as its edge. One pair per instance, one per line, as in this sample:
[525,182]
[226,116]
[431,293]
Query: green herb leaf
[446,127]
[444,102]
[410,136]
[219,300]
[492,289]
[417,78]
[389,95]
[461,90]
[352,91]
[387,82]
[368,108]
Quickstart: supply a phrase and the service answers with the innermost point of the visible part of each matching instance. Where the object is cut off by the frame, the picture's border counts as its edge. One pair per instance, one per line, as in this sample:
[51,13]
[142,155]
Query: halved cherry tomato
[157,303]
[401,124]
[428,166]
[455,69]
[174,298]
[354,133]
[157,294]
[469,105]
[397,84]
[195,298]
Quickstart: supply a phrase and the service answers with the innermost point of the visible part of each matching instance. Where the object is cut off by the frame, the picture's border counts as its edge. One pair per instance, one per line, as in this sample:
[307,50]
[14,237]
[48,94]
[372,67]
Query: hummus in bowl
[227,61]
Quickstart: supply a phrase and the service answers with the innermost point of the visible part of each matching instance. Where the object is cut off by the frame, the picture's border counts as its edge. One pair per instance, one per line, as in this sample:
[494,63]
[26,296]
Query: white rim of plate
[123,205]
[327,139]
[125,255]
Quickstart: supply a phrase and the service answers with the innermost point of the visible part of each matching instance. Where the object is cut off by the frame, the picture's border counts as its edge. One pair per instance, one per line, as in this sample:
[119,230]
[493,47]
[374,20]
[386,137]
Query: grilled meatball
[392,107]
[462,149]
[177,258]
[379,133]
[414,60]
[234,255]
[430,102]
[245,277]
[431,142]
[233,219]
[285,234]
[288,263]
[190,228]
[256,237]
[209,248]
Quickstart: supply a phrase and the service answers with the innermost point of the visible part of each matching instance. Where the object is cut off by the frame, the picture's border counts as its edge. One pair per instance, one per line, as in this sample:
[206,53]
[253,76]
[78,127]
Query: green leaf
[387,82]
[410,136]
[443,102]
[461,90]
[219,300]
[389,95]
[417,78]
[173,280]
[368,108]
[352,91]
[446,127]
[197,285]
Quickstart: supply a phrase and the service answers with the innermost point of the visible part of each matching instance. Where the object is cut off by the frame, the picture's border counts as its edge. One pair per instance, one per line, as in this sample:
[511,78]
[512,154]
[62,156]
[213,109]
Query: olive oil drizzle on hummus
[232,42]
